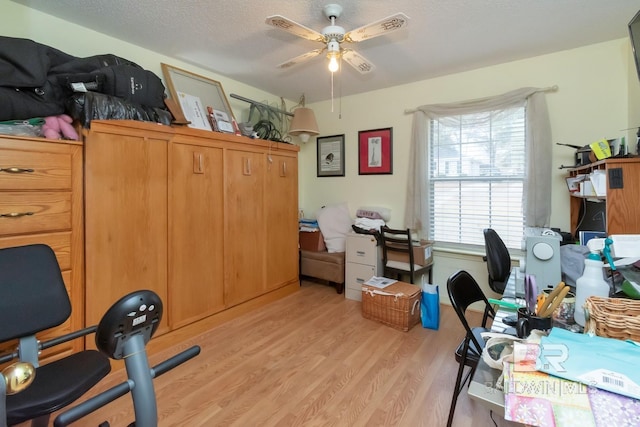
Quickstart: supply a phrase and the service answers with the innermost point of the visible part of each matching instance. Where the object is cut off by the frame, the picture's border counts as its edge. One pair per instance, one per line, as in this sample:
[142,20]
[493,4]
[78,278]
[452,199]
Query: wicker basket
[397,305]
[613,318]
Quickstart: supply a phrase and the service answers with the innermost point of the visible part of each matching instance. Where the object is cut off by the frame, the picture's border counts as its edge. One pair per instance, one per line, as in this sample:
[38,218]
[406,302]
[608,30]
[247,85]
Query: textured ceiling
[230,37]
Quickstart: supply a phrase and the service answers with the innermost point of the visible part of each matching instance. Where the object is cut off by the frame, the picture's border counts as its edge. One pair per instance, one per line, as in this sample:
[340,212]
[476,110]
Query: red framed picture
[375,152]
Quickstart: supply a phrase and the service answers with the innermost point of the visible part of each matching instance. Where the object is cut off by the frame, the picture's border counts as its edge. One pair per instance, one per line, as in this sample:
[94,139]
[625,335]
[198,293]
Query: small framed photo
[375,152]
[330,155]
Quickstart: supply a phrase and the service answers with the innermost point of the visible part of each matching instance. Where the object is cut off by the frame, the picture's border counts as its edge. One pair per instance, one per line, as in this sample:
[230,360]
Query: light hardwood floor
[310,359]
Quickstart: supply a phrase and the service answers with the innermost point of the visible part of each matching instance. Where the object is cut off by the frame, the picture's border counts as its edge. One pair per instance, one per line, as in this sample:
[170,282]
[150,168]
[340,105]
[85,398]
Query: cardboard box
[422,253]
[311,241]
[397,305]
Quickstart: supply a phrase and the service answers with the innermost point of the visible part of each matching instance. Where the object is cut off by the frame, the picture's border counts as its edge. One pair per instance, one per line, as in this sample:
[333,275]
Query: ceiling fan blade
[301,58]
[378,28]
[294,28]
[357,61]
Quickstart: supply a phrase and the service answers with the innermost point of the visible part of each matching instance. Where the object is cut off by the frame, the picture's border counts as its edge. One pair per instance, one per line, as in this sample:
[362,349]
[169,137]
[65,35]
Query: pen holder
[527,322]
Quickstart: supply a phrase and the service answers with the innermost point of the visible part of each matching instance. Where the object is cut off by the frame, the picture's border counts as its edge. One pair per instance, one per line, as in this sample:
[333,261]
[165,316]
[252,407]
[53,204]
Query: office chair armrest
[67,337]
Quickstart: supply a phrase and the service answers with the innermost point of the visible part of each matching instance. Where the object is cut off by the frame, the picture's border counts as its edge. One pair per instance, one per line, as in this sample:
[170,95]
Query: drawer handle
[360,252]
[359,280]
[15,214]
[15,170]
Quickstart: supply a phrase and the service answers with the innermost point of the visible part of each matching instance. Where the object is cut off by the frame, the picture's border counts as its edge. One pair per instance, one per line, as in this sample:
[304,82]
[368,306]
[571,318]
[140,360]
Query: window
[476,176]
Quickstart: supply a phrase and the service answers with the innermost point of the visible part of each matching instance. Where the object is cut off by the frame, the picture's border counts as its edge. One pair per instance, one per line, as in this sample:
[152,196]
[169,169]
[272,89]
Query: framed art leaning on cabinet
[196,96]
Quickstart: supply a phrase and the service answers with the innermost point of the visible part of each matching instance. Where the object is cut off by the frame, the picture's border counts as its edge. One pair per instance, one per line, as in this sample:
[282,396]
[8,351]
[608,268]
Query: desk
[482,387]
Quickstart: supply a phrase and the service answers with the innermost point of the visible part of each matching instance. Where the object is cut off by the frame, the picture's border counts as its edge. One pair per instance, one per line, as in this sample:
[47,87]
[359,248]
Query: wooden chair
[398,243]
[463,291]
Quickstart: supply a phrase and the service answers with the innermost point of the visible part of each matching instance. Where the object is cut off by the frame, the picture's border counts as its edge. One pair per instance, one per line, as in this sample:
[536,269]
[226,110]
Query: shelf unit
[621,200]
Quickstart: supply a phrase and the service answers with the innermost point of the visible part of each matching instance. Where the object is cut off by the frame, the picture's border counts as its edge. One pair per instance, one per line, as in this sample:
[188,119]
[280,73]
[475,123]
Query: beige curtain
[538,146]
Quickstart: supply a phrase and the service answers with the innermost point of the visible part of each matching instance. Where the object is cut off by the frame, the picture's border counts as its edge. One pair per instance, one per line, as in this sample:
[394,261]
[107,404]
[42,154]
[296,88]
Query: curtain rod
[553,88]
[250,101]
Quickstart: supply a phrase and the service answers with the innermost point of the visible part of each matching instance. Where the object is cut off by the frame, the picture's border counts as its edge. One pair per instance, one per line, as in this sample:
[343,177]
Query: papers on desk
[539,399]
[605,363]
[573,379]
[379,282]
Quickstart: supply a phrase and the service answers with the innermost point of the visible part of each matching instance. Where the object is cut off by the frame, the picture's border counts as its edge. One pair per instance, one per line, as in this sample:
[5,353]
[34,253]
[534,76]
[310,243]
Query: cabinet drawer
[357,274]
[22,213]
[30,170]
[362,249]
[59,242]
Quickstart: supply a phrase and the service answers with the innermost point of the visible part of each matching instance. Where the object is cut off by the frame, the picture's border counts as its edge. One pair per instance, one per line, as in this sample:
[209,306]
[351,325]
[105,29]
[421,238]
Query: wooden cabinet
[207,220]
[196,231]
[244,225]
[41,202]
[126,215]
[262,222]
[617,210]
[281,215]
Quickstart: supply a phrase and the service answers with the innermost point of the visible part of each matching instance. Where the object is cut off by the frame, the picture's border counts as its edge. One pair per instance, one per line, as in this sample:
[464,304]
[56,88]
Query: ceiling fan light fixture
[332,36]
[333,53]
[334,65]
[304,124]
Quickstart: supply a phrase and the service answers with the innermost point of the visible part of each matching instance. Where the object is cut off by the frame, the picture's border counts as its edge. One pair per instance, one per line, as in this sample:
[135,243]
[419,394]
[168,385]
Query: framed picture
[201,100]
[375,151]
[330,155]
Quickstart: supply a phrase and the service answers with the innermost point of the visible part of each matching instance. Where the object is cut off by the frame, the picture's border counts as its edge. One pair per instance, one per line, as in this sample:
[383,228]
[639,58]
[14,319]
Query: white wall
[598,97]
[592,102]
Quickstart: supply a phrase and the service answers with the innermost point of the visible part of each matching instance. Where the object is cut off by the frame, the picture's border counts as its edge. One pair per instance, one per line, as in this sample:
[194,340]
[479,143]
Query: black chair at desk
[498,260]
[463,291]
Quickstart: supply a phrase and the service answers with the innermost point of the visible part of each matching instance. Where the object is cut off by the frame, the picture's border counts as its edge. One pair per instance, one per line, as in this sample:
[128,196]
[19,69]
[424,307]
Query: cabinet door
[244,226]
[281,210]
[623,197]
[196,237]
[126,219]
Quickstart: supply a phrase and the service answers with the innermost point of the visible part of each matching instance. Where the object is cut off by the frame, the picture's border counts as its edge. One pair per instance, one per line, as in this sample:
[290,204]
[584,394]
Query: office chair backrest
[498,260]
[30,277]
[463,291]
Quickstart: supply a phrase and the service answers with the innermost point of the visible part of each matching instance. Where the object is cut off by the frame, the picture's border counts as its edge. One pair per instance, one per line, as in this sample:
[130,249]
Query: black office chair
[498,260]
[463,291]
[33,298]
[398,242]
[123,333]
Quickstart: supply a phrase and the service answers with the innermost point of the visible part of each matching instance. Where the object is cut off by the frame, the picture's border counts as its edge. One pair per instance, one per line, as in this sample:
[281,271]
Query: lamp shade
[303,123]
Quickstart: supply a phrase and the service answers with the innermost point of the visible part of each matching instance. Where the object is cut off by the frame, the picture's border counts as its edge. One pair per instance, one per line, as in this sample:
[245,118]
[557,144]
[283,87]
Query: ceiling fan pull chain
[332,92]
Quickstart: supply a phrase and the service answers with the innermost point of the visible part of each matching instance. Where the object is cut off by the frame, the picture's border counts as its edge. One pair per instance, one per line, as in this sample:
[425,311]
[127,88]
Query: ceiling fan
[333,36]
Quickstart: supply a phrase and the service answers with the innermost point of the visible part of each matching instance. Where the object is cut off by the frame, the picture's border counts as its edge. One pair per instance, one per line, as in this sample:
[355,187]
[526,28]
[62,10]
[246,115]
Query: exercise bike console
[122,333]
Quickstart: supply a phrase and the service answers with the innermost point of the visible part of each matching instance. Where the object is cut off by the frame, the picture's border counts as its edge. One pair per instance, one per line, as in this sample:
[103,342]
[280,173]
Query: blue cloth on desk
[605,363]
